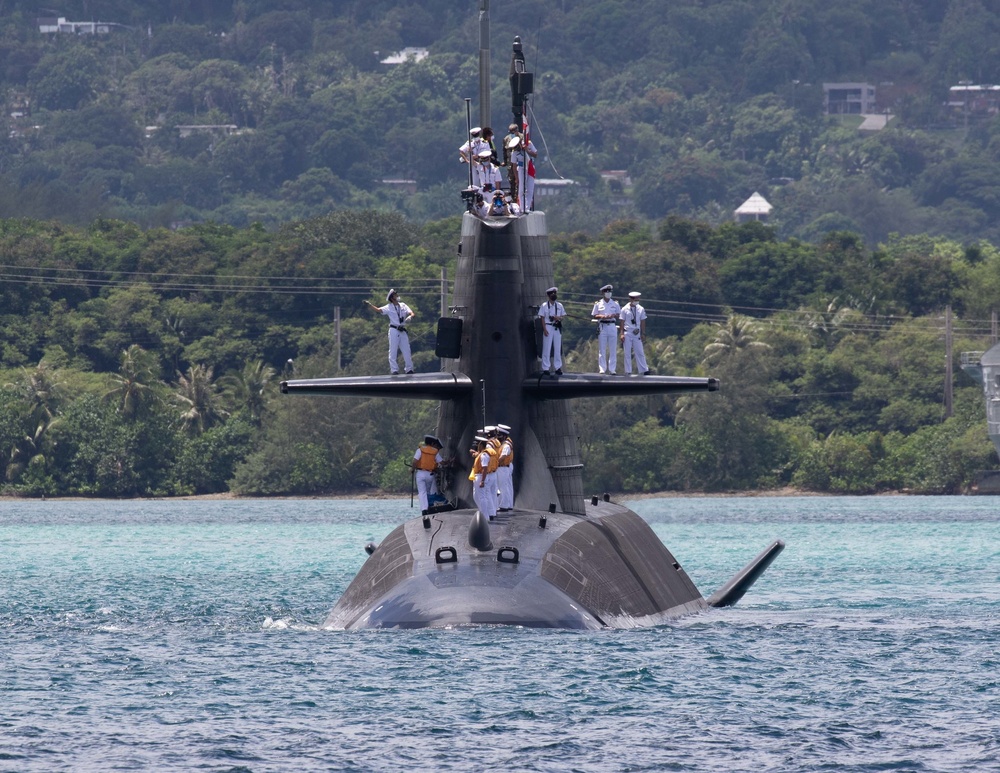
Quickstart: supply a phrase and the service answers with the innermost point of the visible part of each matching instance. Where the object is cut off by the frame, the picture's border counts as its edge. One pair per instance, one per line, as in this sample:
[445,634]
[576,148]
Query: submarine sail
[556,559]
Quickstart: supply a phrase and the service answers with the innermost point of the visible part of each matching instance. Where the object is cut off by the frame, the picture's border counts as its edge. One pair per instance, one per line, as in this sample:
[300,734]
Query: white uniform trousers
[505,480]
[552,348]
[426,485]
[607,343]
[527,189]
[399,342]
[486,495]
[633,345]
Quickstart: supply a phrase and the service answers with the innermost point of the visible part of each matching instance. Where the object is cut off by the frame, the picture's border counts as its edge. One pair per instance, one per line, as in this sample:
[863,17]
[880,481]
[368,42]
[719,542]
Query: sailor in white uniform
[552,313]
[484,490]
[505,468]
[399,315]
[425,461]
[632,324]
[606,311]
[525,181]
[471,147]
[485,174]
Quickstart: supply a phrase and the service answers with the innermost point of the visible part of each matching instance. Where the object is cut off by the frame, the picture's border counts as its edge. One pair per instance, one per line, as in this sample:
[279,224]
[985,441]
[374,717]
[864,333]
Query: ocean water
[186,635]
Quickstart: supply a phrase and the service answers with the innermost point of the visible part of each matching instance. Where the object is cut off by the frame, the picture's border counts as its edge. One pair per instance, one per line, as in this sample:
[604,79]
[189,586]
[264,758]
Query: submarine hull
[604,568]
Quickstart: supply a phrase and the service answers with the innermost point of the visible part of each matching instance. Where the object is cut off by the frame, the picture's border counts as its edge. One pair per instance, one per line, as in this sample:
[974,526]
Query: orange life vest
[493,449]
[508,460]
[428,459]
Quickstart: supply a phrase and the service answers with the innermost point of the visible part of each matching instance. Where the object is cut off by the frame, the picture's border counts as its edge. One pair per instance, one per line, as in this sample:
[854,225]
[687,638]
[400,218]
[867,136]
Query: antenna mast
[484,63]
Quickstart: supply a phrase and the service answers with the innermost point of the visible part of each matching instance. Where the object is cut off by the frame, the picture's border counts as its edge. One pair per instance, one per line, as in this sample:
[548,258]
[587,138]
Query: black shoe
[645,373]
[558,371]
[409,373]
[545,373]
[394,373]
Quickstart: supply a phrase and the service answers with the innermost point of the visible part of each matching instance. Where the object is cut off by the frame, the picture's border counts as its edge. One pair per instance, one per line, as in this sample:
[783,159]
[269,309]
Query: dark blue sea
[187,635]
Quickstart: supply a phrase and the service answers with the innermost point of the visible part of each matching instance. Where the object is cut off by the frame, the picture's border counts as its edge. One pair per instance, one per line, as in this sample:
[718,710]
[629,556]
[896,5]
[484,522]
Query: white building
[754,208]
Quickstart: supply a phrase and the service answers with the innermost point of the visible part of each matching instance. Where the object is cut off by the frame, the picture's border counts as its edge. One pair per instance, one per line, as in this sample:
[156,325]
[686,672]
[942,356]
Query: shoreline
[786,491]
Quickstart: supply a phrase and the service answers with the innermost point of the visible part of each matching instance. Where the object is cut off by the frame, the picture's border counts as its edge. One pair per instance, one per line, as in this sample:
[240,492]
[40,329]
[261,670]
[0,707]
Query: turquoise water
[186,636]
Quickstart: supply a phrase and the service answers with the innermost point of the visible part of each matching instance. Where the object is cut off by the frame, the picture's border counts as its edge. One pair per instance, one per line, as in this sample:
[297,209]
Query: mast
[484,63]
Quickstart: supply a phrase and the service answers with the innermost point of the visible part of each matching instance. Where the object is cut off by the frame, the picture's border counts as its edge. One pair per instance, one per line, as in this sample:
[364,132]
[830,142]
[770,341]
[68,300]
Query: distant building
[754,208]
[207,128]
[50,26]
[971,99]
[399,184]
[551,187]
[416,54]
[616,178]
[849,98]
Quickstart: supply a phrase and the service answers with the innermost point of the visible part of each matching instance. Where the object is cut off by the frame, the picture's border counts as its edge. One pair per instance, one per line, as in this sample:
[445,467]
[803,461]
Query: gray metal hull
[605,568]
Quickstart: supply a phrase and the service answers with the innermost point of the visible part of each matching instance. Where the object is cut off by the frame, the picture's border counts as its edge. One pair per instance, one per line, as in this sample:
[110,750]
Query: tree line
[144,362]
[701,104]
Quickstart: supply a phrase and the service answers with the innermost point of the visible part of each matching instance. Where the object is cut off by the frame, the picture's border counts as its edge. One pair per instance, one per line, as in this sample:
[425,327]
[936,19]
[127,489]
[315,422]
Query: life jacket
[428,458]
[508,460]
[493,449]
[477,467]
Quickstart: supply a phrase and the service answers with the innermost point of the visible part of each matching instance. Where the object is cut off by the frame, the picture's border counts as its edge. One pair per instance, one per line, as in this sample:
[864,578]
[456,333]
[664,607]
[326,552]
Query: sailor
[525,179]
[505,468]
[498,205]
[485,174]
[470,149]
[511,141]
[399,315]
[486,499]
[552,313]
[606,312]
[632,324]
[426,460]
[481,207]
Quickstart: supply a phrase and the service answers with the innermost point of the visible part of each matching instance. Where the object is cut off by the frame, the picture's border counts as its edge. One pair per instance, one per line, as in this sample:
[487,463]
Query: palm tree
[249,388]
[133,387]
[198,396]
[738,333]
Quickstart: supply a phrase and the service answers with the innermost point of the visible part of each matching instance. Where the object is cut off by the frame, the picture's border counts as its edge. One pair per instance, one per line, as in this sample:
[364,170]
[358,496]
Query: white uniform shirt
[397,313]
[607,307]
[548,311]
[477,144]
[517,155]
[632,315]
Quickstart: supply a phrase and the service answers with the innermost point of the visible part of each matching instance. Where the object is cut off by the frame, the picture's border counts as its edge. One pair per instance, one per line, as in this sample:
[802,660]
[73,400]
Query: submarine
[557,559]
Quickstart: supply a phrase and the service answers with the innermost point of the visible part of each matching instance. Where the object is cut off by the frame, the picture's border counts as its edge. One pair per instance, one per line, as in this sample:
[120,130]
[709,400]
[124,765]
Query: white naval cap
[607,288]
[483,154]
[490,428]
[481,439]
[476,131]
[503,428]
[634,295]
[388,297]
[552,290]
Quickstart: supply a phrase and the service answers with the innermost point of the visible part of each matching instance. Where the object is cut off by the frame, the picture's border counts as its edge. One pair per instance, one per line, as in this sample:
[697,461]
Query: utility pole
[993,327]
[336,331]
[947,364]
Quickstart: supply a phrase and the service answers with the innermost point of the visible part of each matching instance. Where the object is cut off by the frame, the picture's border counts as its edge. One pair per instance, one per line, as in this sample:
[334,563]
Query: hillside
[701,103]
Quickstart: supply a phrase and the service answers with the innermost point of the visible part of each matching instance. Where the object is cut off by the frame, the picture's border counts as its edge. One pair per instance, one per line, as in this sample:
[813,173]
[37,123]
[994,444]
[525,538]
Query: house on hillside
[849,98]
[50,26]
[969,99]
[754,208]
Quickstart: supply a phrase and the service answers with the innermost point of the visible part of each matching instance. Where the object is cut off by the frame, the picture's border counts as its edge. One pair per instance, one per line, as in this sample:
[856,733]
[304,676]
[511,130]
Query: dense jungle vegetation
[702,103]
[142,358]
[146,361]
